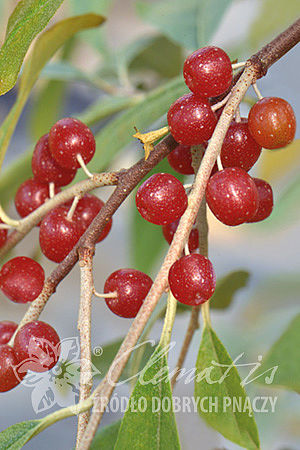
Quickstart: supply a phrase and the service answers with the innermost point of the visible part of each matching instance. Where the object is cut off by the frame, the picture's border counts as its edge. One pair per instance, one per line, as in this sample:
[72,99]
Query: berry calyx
[272,122]
[170,229]
[191,120]
[161,199]
[9,374]
[239,149]
[232,196]
[265,200]
[7,329]
[68,138]
[22,279]
[58,234]
[192,279]
[131,287]
[3,235]
[208,71]
[44,167]
[37,346]
[31,195]
[86,210]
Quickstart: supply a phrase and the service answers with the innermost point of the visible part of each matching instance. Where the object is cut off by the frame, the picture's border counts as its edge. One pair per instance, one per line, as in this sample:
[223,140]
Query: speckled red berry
[161,199]
[265,200]
[191,120]
[69,137]
[208,71]
[22,279]
[3,235]
[192,279]
[272,122]
[37,346]
[44,167]
[31,195]
[58,234]
[9,374]
[170,229]
[7,329]
[232,196]
[239,149]
[180,159]
[132,287]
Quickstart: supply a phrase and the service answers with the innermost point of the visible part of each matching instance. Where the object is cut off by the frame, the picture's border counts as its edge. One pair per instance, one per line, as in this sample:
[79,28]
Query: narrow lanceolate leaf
[218,382]
[152,425]
[16,436]
[106,437]
[191,23]
[47,44]
[285,354]
[27,20]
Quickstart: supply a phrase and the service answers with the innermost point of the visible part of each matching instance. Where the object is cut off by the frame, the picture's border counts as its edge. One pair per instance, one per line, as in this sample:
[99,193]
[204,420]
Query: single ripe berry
[7,329]
[180,159]
[58,234]
[31,195]
[265,200]
[9,374]
[239,149]
[44,167]
[191,120]
[37,346]
[87,209]
[3,235]
[69,137]
[170,229]
[192,279]
[132,287]
[232,196]
[161,199]
[272,122]
[208,71]
[22,279]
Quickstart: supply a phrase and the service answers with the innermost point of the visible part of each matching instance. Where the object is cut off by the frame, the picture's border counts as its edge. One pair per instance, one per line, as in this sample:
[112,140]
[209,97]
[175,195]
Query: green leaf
[214,380]
[151,429]
[27,20]
[146,239]
[190,23]
[16,436]
[273,17]
[225,291]
[47,44]
[285,354]
[106,437]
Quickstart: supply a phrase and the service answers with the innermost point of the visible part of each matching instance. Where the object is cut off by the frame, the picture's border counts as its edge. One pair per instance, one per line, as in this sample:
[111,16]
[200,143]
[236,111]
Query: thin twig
[84,327]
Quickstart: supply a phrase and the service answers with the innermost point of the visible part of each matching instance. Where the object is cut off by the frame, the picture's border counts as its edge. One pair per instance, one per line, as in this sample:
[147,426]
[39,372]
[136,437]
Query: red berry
[265,200]
[87,209]
[37,346]
[44,167]
[239,149]
[180,159]
[58,234]
[170,229]
[22,279]
[69,137]
[7,329]
[232,196]
[132,287]
[3,235]
[272,122]
[208,71]
[31,195]
[191,120]
[161,199]
[9,374]
[192,279]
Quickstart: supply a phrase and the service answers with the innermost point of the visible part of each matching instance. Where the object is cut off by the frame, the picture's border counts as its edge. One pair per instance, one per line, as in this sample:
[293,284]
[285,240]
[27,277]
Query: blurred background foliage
[126,73]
